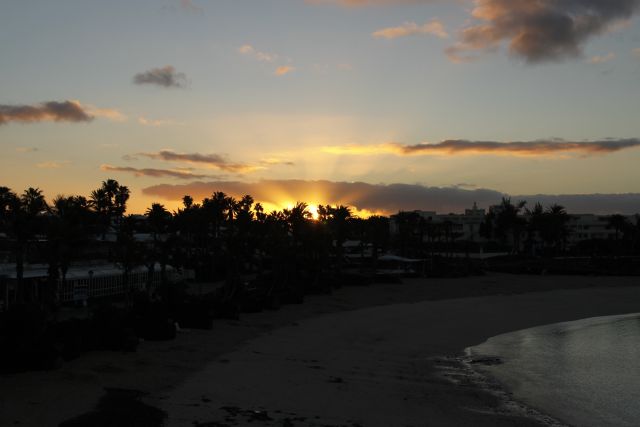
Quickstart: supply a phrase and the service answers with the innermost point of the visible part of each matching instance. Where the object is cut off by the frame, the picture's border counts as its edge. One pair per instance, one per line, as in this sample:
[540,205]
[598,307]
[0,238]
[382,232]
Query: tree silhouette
[620,224]
[68,231]
[508,223]
[110,204]
[24,219]
[159,220]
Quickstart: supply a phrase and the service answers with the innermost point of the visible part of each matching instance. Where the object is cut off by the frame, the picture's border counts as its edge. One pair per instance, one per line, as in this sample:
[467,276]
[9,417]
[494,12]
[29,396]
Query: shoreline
[463,371]
[361,372]
[504,360]
[164,370]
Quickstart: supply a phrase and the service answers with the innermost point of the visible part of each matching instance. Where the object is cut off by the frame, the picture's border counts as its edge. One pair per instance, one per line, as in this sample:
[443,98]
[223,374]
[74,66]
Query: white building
[589,226]
[463,226]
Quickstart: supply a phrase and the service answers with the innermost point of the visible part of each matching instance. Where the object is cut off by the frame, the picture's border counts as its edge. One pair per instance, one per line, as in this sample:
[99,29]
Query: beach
[365,356]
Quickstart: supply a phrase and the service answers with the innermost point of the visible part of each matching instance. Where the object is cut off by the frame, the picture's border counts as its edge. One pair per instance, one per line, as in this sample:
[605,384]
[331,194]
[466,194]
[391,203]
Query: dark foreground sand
[358,357]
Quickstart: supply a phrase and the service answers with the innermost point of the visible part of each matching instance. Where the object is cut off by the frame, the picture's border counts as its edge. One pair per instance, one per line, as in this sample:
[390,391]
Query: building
[590,227]
[464,226]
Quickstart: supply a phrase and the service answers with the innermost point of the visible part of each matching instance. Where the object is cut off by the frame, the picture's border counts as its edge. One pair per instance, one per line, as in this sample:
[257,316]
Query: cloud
[156,173]
[388,198]
[107,113]
[26,149]
[52,111]
[601,59]
[212,160]
[600,204]
[155,123]
[249,50]
[435,27]
[363,196]
[190,6]
[276,162]
[541,30]
[356,3]
[53,164]
[166,76]
[636,52]
[283,70]
[460,147]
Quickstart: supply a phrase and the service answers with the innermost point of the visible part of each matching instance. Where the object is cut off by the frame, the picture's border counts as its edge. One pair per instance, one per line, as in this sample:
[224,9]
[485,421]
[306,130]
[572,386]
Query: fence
[111,285]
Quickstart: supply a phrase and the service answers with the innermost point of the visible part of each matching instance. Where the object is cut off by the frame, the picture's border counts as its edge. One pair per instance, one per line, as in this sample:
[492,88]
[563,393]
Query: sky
[379,104]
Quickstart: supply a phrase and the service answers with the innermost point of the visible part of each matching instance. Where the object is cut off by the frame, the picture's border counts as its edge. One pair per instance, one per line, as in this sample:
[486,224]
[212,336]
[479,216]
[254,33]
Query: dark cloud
[356,3]
[276,162]
[540,30]
[528,148]
[157,173]
[65,111]
[211,160]
[602,204]
[515,148]
[375,198]
[390,198]
[165,77]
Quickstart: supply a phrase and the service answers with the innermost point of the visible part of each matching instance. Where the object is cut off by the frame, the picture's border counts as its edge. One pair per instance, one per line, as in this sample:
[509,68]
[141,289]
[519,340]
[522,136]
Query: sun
[314,211]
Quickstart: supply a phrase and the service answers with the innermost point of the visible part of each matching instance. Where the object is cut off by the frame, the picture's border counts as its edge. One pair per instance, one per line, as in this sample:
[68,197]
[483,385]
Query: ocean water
[583,373]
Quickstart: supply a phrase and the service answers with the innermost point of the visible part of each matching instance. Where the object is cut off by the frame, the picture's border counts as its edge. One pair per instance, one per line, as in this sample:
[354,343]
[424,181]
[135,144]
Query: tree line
[222,238]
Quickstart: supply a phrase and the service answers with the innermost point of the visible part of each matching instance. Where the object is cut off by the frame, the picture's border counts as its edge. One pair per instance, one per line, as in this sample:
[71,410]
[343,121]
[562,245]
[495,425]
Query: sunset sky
[327,101]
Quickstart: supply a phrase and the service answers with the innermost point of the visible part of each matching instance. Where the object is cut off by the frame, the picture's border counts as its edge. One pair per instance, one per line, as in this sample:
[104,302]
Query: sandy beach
[358,357]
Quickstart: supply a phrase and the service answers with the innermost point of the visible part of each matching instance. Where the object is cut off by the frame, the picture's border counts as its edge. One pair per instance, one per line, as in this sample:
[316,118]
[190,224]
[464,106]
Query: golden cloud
[157,173]
[461,147]
[283,70]
[435,28]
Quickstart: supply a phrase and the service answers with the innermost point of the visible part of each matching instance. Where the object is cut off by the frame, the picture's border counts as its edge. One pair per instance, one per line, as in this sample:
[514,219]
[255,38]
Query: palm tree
[159,219]
[619,223]
[378,235]
[12,223]
[27,213]
[339,217]
[408,230]
[535,226]
[556,227]
[68,230]
[509,223]
[187,202]
[216,209]
[120,201]
[110,203]
[34,202]
[297,217]
[128,253]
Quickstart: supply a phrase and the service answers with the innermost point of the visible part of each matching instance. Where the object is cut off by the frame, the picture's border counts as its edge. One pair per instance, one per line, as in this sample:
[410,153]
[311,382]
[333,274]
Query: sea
[582,373]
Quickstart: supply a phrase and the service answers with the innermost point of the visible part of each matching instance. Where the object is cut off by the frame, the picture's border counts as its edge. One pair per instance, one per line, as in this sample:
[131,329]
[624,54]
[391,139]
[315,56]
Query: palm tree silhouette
[620,224]
[28,221]
[68,231]
[159,220]
[110,203]
[377,230]
[509,223]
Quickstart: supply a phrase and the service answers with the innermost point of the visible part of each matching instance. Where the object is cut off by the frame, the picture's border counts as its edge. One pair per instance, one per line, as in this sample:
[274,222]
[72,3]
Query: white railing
[104,286]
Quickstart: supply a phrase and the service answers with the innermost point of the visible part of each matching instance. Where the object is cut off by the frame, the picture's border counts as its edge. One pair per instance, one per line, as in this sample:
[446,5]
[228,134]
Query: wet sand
[361,356]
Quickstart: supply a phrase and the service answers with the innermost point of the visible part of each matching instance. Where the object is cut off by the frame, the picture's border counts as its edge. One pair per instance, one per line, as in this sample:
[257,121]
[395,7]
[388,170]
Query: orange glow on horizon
[140,205]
